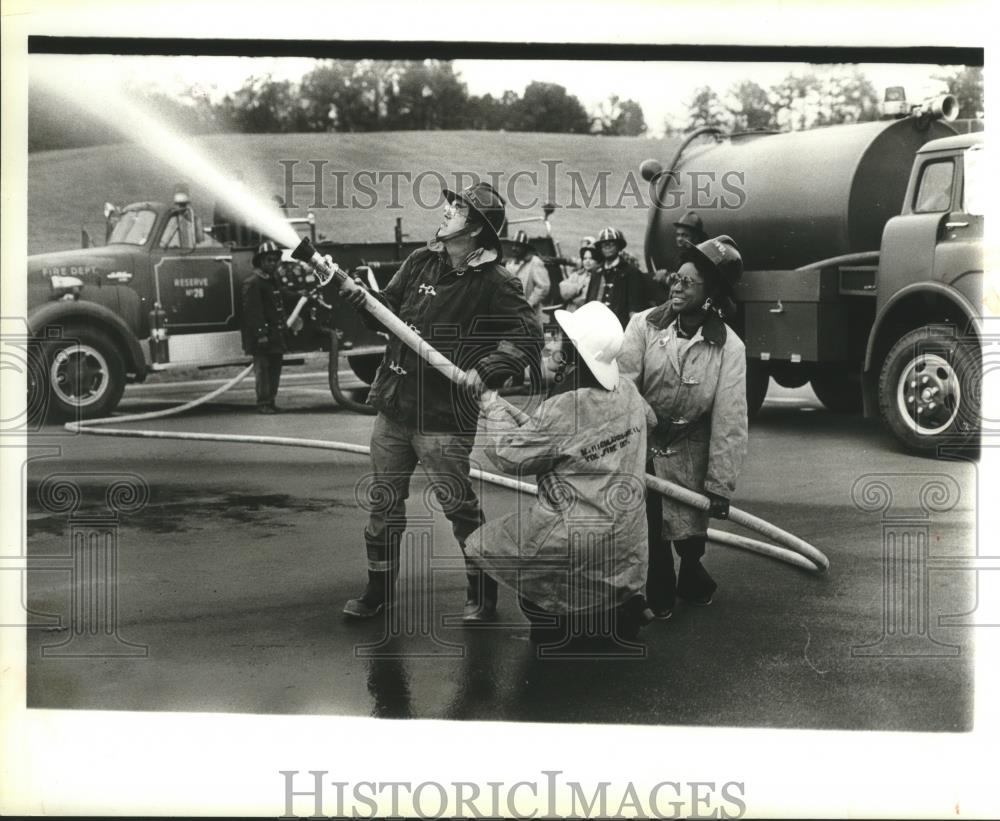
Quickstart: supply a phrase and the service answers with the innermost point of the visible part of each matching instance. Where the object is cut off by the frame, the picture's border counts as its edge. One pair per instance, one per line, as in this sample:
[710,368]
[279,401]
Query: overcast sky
[662,88]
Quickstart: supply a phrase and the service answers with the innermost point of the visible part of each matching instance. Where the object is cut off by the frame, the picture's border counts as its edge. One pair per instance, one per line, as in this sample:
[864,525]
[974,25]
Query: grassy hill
[67,189]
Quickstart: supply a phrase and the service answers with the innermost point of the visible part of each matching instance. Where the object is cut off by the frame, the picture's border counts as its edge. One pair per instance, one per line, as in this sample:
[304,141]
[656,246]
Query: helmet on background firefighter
[520,243]
[597,336]
[610,234]
[266,248]
[693,223]
[588,244]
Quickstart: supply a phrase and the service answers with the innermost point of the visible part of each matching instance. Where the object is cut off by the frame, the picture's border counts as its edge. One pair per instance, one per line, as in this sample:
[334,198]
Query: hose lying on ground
[801,555]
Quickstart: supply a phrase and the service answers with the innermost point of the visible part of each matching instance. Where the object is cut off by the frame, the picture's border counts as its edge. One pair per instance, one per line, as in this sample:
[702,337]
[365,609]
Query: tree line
[370,95]
[358,96]
[828,95]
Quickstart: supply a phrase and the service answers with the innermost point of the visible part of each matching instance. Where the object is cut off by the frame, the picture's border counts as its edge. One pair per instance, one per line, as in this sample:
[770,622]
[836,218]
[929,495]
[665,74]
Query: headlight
[66,287]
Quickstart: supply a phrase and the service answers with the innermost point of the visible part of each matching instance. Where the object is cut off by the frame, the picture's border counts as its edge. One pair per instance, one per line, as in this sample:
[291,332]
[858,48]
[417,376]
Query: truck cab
[91,307]
[922,361]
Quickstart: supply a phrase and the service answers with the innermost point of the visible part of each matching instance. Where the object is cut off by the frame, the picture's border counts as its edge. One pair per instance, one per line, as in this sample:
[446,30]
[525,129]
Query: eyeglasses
[684,281]
[452,209]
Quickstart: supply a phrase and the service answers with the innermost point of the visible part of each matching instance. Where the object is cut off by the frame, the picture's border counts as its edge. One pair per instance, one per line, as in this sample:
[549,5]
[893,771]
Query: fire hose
[789,548]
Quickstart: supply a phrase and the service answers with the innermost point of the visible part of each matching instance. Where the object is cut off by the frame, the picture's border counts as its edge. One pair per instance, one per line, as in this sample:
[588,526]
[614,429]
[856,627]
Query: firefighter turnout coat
[475,314]
[619,285]
[582,544]
[263,321]
[697,388]
[534,278]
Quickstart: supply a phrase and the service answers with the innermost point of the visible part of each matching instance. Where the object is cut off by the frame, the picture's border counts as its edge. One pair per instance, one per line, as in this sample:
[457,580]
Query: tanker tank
[808,195]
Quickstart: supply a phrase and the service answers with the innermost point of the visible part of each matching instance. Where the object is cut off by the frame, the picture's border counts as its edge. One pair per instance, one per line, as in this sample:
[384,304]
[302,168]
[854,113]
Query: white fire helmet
[598,337]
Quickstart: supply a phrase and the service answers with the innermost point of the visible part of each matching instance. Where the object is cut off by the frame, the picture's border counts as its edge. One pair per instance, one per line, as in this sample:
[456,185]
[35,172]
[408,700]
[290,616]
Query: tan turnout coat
[697,388]
[582,544]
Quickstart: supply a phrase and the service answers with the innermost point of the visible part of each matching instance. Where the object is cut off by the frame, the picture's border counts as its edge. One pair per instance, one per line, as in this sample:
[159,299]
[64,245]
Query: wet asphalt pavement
[232,574]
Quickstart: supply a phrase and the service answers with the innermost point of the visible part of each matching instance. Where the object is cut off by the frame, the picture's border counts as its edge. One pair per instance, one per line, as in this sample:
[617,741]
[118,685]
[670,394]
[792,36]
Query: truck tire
[333,373]
[365,366]
[36,375]
[758,378]
[789,376]
[838,390]
[929,390]
[84,375]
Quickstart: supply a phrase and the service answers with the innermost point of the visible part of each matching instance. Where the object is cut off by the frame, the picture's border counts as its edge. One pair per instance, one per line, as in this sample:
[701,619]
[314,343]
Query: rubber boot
[545,628]
[379,595]
[694,583]
[661,580]
[480,599]
[630,617]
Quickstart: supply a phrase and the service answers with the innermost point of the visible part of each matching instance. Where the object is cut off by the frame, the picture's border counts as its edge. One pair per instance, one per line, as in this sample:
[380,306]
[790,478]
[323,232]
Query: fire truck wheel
[365,366]
[929,389]
[789,376]
[838,390]
[758,378]
[85,374]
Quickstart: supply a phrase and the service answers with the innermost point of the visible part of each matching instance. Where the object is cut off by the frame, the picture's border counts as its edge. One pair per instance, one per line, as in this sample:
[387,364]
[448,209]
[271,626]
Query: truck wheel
[333,372]
[838,390]
[365,366]
[84,374]
[758,378]
[36,378]
[789,376]
[929,389]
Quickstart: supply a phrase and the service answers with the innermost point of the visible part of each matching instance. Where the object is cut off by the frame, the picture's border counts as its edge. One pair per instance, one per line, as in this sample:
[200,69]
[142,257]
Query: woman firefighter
[578,554]
[691,369]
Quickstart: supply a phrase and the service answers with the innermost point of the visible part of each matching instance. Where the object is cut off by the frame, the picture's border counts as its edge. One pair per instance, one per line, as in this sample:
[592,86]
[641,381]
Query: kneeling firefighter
[576,556]
[461,300]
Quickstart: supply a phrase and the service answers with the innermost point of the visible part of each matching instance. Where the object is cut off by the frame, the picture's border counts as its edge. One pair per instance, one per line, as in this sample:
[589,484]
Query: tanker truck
[862,249]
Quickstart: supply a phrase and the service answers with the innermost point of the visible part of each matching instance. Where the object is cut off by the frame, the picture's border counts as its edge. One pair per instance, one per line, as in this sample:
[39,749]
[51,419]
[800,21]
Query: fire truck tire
[929,390]
[838,390]
[365,366]
[790,376]
[84,375]
[333,372]
[758,378]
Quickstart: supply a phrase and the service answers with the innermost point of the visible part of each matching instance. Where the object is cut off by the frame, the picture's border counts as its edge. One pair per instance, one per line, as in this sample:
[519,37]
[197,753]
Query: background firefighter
[263,325]
[578,555]
[457,296]
[573,288]
[691,369]
[617,282]
[688,230]
[528,267]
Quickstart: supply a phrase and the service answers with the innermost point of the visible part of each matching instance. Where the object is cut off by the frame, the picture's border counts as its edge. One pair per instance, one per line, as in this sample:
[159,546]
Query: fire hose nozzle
[304,251]
[325,269]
